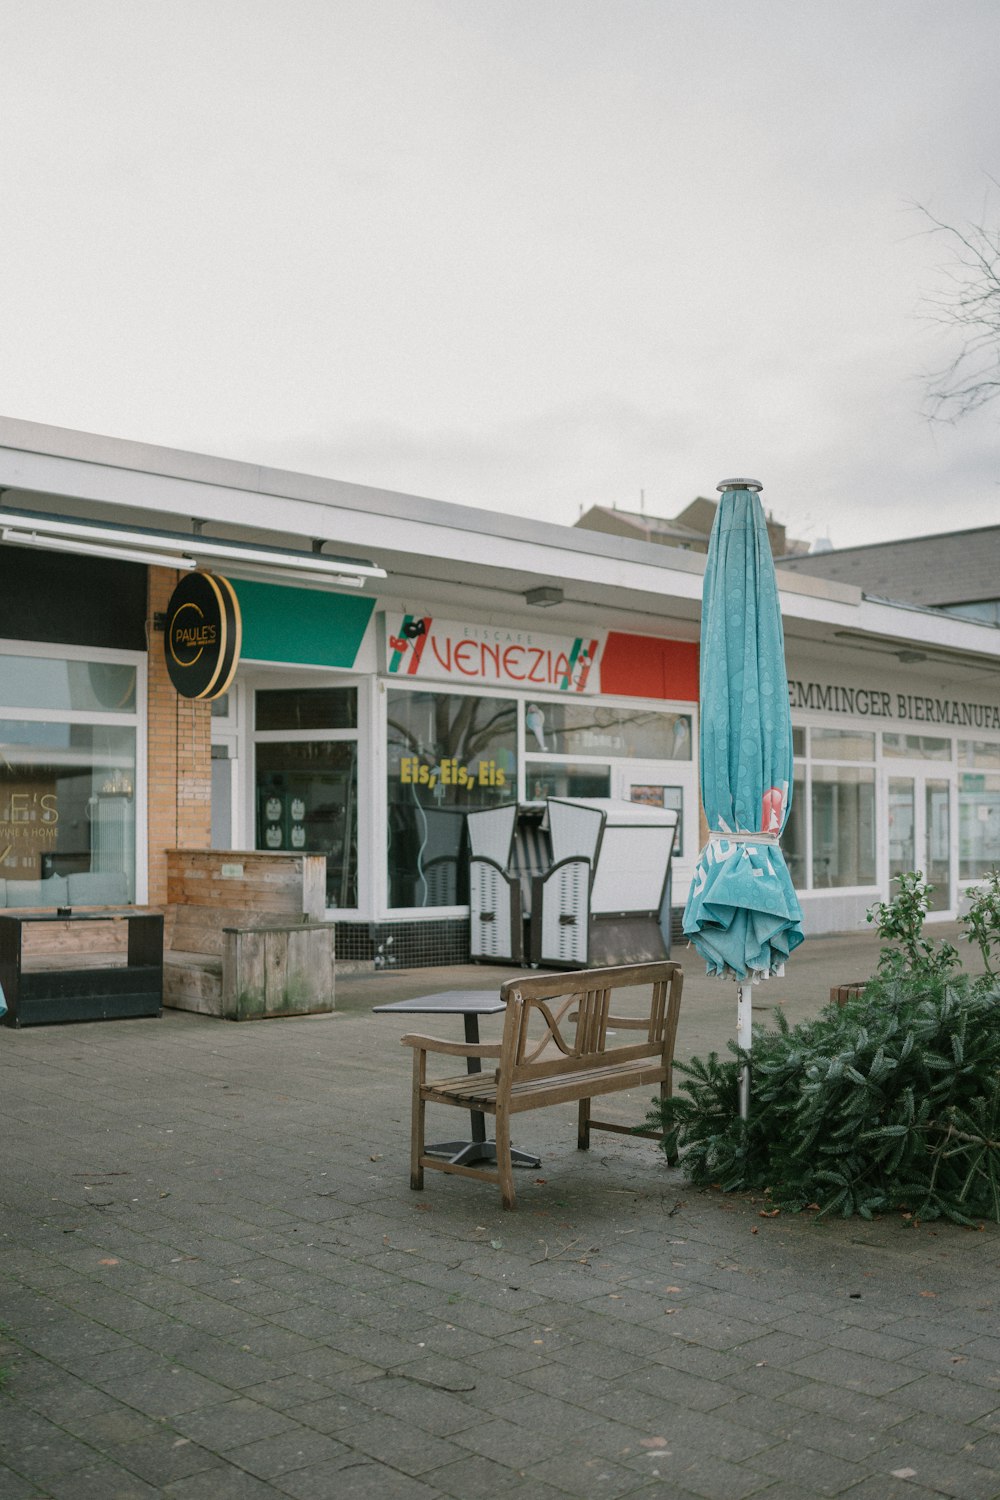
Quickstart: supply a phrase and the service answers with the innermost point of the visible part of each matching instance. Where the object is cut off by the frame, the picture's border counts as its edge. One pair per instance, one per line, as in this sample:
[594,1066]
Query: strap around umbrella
[743,837]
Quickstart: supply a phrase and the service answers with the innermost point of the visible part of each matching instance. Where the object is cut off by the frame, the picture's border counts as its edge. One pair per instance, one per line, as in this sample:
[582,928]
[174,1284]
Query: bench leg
[504,1167]
[583,1126]
[417,1123]
[665,1092]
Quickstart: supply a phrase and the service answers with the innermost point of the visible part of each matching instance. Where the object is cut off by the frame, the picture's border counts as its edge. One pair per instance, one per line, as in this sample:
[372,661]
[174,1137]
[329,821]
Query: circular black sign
[203,636]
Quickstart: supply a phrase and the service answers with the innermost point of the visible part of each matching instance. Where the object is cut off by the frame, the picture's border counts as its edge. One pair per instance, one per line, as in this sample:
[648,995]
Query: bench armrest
[454,1049]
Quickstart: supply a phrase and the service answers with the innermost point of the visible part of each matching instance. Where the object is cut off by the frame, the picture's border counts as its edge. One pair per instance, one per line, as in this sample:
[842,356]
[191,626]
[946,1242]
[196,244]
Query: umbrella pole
[744,1037]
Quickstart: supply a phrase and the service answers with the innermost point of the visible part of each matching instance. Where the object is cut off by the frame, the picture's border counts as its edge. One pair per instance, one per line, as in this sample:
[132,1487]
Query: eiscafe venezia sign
[422,646]
[877,703]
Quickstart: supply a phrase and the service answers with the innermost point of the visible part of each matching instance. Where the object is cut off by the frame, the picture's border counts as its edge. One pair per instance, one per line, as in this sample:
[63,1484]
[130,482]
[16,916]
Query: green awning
[306,626]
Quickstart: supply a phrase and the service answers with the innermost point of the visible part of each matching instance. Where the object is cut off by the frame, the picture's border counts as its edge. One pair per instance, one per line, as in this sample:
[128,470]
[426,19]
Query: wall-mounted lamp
[544,597]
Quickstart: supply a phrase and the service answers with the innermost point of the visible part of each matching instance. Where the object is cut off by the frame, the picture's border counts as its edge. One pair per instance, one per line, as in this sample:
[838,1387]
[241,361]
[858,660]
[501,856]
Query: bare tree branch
[969,304]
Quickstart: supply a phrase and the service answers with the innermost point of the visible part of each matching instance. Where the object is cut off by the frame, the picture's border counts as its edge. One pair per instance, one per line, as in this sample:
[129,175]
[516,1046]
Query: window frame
[135,719]
[804,764]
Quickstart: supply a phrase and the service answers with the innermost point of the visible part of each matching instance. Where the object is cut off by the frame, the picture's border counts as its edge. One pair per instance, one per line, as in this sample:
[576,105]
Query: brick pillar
[179,752]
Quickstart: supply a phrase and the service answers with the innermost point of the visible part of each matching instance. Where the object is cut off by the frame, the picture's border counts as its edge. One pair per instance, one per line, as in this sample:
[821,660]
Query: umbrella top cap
[740,484]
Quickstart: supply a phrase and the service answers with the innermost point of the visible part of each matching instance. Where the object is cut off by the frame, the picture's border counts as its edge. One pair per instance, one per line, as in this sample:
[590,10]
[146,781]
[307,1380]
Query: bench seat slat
[178,958]
[473,1092]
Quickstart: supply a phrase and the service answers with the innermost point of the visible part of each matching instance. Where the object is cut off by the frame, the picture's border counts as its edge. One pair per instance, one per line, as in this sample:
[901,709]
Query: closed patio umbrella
[742,914]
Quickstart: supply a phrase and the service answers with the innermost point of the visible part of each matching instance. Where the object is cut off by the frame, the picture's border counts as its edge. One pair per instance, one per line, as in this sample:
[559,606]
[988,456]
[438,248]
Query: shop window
[307,708]
[983,753]
[65,684]
[67,805]
[915,746]
[60,599]
[978,824]
[448,754]
[307,801]
[843,826]
[561,779]
[842,744]
[587,728]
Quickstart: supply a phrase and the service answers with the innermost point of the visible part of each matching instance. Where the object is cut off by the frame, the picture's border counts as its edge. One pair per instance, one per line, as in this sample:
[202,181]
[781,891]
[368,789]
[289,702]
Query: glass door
[919,805]
[305,781]
[937,840]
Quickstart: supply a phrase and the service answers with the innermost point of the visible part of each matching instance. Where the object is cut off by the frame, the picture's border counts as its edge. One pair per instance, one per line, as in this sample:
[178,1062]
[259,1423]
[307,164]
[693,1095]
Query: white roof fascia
[417,527]
[928,627]
[143,478]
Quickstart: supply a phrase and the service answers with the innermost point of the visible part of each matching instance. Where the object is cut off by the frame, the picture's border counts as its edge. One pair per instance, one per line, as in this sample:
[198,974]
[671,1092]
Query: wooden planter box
[841,993]
[276,971]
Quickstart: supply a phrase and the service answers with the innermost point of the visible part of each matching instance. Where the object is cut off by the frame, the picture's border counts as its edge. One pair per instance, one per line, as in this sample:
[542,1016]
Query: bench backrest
[210,889]
[557,1024]
[202,929]
[293,885]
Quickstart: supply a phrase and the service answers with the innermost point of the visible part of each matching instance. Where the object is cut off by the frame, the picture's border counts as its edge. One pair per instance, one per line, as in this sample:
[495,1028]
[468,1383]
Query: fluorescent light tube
[91,549]
[120,538]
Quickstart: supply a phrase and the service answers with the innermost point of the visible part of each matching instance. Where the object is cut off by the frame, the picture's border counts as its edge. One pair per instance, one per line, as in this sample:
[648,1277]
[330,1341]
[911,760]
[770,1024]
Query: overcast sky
[530,255]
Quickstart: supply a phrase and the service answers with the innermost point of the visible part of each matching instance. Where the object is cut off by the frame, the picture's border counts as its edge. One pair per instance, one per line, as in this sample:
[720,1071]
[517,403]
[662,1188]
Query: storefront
[378,766]
[475,660]
[893,772]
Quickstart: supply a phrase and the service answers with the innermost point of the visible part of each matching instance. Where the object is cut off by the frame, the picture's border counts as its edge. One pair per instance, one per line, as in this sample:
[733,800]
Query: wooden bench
[559,1045]
[245,935]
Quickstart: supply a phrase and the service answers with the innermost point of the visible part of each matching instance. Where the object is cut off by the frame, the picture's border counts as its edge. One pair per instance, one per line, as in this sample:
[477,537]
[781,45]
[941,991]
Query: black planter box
[38,997]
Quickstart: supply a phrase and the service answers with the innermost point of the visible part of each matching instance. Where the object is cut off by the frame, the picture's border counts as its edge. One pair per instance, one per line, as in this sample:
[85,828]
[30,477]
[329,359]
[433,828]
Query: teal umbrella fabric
[742,914]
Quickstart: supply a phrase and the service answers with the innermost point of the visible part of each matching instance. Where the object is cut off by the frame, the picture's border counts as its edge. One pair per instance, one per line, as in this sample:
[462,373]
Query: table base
[464,1153]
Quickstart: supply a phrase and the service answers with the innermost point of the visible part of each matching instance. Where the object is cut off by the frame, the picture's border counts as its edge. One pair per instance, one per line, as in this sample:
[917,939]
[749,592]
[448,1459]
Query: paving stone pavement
[215,1282]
